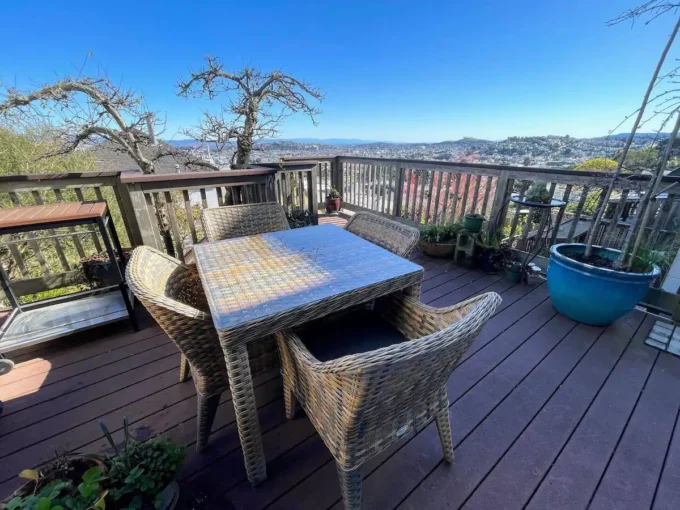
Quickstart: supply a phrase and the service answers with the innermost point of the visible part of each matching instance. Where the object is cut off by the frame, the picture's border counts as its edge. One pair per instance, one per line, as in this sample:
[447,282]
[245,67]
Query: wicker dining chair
[368,379]
[243,220]
[389,234]
[173,294]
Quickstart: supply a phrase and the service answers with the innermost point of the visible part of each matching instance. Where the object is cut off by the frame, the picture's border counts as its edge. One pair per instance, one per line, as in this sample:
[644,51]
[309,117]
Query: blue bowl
[590,294]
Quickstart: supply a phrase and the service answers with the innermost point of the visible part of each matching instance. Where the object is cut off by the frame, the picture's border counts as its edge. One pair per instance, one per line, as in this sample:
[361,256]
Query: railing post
[143,224]
[312,194]
[336,174]
[503,190]
[127,211]
[399,191]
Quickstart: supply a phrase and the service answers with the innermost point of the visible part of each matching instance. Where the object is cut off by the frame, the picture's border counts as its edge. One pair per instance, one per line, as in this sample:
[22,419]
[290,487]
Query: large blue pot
[590,294]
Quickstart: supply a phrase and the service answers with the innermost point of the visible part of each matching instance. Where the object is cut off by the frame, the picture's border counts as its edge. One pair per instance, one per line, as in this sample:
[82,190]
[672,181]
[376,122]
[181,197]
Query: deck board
[545,413]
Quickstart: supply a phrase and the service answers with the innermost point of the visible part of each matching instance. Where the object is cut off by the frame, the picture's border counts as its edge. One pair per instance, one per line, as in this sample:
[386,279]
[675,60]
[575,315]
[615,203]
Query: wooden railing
[161,210]
[425,192]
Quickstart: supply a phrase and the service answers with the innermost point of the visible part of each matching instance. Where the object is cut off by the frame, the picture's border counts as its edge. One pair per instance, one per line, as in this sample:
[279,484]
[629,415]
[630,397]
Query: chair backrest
[173,295]
[403,386]
[243,220]
[389,234]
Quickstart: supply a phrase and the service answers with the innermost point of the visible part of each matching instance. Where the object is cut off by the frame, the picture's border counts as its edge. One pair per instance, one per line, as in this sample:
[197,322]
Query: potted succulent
[333,201]
[473,222]
[514,271]
[438,240]
[493,254]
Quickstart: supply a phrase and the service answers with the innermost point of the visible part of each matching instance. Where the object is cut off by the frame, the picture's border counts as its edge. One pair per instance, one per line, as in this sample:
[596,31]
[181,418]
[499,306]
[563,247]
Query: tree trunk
[244,141]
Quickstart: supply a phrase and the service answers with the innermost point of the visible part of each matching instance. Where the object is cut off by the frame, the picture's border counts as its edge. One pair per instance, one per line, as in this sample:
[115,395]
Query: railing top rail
[57,176]
[494,168]
[131,178]
[303,164]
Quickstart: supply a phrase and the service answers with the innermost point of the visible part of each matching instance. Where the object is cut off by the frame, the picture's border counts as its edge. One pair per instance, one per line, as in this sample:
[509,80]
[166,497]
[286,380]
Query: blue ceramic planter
[590,294]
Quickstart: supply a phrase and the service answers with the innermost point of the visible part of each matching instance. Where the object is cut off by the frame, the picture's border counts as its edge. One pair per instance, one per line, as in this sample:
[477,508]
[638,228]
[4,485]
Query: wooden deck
[546,413]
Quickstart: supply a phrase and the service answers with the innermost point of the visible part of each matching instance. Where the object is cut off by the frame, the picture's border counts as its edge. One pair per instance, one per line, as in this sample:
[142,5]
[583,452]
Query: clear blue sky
[392,70]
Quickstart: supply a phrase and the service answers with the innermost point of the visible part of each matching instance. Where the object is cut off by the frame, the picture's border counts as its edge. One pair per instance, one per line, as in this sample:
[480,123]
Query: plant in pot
[98,270]
[333,202]
[298,218]
[144,474]
[438,240]
[473,222]
[493,254]
[70,482]
[597,285]
[514,271]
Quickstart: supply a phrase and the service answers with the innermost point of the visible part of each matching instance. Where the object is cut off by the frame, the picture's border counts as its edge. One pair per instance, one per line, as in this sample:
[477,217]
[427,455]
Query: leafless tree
[258,102]
[83,110]
[668,107]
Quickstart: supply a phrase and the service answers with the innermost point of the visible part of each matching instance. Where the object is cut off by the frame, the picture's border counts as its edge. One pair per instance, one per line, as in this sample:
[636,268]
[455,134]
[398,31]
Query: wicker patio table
[258,285]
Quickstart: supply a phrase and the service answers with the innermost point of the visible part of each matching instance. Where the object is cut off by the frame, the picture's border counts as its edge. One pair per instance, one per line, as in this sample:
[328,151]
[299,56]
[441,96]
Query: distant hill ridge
[639,137]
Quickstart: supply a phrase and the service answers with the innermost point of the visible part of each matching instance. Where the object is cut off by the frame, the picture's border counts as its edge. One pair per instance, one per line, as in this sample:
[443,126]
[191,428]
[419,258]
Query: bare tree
[652,9]
[258,102]
[82,110]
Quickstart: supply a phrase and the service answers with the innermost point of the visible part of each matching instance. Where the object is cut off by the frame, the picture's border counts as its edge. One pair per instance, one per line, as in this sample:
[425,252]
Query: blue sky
[397,71]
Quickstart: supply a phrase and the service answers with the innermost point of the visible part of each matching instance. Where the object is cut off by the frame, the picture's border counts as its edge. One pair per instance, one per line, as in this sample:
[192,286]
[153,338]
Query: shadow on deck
[546,413]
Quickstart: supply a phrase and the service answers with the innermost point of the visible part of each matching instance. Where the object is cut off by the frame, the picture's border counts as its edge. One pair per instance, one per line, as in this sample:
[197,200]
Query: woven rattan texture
[243,220]
[391,235]
[362,403]
[173,295]
[257,285]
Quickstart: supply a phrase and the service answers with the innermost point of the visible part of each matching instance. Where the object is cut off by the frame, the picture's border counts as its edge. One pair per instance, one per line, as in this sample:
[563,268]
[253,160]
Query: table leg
[413,291]
[118,265]
[245,409]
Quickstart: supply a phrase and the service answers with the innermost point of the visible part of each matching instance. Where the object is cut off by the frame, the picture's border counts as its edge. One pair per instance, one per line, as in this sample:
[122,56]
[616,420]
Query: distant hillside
[320,141]
[638,136]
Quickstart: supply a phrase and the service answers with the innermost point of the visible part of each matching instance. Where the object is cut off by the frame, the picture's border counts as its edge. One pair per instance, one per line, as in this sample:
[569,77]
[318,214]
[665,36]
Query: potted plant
[298,218]
[473,222]
[514,271]
[139,475]
[597,285]
[70,482]
[438,240]
[99,272]
[333,201]
[144,474]
[493,253]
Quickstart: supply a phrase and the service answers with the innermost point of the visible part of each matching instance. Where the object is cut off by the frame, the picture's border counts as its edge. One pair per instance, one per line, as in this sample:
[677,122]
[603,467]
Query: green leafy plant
[334,193]
[298,218]
[140,471]
[439,233]
[60,494]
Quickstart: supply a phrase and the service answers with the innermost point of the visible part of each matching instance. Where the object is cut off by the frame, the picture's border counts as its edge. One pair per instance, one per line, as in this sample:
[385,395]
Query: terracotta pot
[437,249]
[332,205]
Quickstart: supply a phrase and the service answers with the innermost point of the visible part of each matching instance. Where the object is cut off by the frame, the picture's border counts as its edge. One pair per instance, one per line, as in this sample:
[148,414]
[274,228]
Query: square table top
[268,282]
[36,215]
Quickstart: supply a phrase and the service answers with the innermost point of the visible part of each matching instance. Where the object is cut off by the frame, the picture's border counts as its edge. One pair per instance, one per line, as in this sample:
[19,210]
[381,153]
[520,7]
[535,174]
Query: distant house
[110,157]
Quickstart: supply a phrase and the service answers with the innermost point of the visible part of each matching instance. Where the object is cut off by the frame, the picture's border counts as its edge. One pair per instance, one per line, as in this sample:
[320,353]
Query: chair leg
[350,486]
[184,369]
[288,397]
[444,428]
[207,408]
